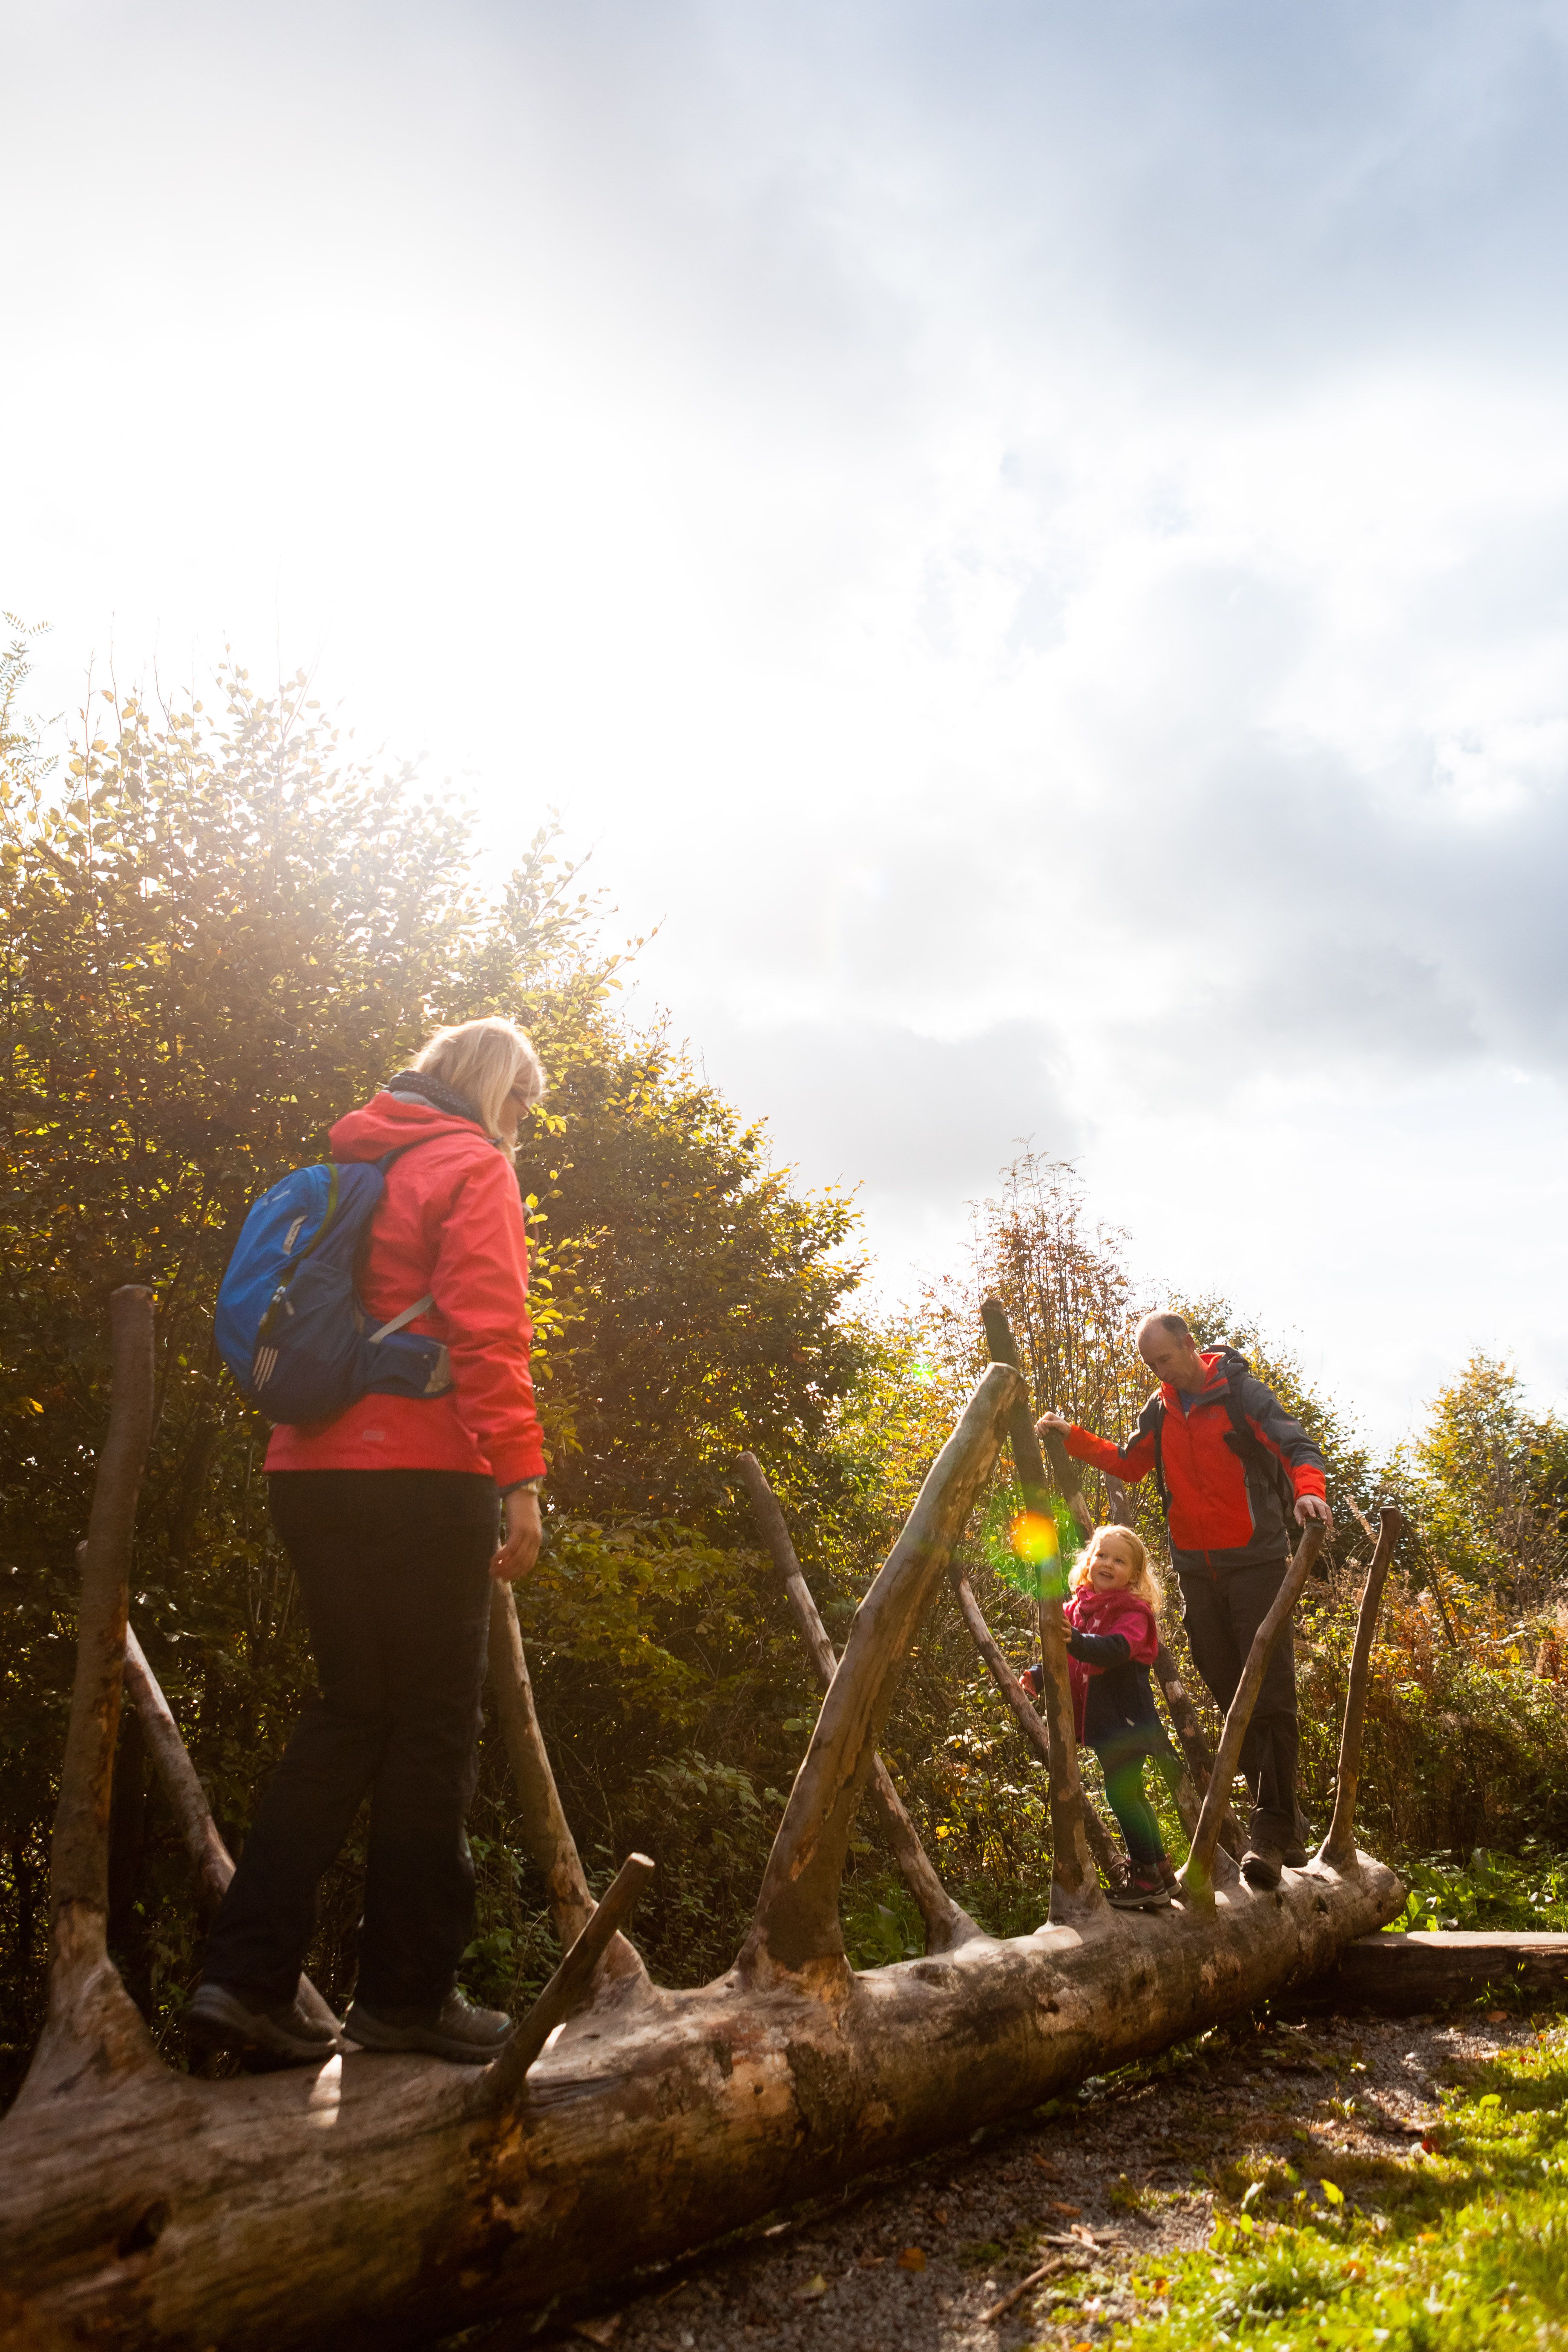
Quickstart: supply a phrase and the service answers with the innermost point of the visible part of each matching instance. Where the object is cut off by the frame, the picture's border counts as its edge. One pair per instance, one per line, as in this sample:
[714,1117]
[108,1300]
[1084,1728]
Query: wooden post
[568,1987]
[541,1817]
[1338,1848]
[187,1799]
[1075,1887]
[92,2022]
[947,1924]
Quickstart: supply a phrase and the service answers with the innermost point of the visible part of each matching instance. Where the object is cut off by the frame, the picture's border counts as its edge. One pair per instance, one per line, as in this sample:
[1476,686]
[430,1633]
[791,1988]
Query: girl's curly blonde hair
[1145,1584]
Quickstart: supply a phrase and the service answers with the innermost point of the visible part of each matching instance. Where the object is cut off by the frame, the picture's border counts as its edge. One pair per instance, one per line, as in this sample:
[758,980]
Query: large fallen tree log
[381,2201]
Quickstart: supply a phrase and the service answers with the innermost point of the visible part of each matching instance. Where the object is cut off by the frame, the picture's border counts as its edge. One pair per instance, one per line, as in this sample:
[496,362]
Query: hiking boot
[1293,1855]
[1262,1864]
[456,2030]
[1168,1878]
[224,2018]
[1145,1891]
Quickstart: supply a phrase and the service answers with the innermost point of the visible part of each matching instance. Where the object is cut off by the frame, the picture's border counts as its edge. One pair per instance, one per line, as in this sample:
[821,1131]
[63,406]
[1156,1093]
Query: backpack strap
[1160,1488]
[407,1316]
[1252,1452]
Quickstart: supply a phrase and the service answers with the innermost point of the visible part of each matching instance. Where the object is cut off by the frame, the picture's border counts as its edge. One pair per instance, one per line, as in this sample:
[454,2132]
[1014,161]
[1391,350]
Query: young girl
[1113,1635]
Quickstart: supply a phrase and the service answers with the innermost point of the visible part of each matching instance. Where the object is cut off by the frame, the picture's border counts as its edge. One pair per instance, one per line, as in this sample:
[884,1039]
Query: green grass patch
[1506,1893]
[1464,2243]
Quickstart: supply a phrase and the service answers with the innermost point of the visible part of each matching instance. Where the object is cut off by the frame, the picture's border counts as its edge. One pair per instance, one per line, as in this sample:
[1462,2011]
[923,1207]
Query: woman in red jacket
[388,1513]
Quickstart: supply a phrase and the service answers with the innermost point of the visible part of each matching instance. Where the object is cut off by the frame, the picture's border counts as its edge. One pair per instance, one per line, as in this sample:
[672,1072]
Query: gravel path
[914,2260]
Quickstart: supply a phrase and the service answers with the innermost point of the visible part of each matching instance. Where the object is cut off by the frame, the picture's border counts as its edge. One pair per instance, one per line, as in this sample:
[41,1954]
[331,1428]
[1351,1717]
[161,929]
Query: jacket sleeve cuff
[511,1465]
[1307,1479]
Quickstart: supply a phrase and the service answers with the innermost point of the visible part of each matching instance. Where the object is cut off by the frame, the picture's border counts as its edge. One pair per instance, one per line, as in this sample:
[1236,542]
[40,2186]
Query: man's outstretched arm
[1129,1463]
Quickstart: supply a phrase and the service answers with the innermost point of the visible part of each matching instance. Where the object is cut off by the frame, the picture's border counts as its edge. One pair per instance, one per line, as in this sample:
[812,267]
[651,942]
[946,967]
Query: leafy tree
[1489,1484]
[220,929]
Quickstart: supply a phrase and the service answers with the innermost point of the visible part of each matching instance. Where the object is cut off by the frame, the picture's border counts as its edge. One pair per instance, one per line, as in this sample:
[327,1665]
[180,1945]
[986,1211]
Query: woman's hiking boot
[1168,1878]
[1145,1890]
[224,2017]
[456,2030]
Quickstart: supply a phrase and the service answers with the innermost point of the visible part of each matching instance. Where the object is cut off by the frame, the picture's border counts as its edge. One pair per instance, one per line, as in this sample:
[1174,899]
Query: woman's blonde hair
[1145,1584]
[484,1061]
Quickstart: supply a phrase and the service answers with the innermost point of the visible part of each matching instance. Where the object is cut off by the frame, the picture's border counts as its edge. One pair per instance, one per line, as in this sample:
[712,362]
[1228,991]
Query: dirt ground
[915,2259]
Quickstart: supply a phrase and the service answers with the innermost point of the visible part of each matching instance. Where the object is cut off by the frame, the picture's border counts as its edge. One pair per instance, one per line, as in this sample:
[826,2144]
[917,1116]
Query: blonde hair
[484,1061]
[1145,1583]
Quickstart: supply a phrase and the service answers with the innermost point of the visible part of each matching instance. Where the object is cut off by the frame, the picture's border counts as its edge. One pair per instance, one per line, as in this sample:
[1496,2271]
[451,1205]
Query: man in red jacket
[1232,1470]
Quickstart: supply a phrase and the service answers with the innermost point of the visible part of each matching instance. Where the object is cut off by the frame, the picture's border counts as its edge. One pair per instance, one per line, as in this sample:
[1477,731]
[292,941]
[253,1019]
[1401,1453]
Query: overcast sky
[1032,540]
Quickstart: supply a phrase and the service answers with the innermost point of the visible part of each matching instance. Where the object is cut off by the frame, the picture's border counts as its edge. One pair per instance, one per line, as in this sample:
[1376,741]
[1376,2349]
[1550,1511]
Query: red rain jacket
[1123,1613]
[450,1222]
[1221,1518]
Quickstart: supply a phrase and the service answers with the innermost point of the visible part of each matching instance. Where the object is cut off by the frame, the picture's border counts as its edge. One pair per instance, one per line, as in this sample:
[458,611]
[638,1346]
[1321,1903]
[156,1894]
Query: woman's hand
[515,1557]
[1051,1421]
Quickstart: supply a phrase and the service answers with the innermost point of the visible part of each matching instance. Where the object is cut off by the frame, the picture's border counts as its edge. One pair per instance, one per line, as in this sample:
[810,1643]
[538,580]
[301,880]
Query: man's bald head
[1166,1344]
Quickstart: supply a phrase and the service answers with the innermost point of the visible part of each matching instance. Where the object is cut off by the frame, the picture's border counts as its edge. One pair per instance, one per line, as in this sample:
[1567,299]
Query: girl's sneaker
[1145,1891]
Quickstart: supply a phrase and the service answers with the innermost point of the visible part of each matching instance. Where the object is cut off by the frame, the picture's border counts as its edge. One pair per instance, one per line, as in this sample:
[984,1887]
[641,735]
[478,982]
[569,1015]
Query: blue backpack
[290,1324]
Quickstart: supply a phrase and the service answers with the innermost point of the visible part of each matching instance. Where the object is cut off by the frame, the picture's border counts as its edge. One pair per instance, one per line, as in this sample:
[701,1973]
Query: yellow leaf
[911,2259]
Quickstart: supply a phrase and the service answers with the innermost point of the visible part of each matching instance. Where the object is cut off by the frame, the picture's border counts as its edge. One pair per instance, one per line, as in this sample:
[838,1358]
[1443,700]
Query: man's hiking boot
[1145,1891]
[456,2030]
[1262,1863]
[224,2017]
[1293,1855]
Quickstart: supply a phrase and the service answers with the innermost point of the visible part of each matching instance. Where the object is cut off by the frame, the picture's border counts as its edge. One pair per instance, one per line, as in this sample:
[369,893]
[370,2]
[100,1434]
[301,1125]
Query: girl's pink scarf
[1123,1613]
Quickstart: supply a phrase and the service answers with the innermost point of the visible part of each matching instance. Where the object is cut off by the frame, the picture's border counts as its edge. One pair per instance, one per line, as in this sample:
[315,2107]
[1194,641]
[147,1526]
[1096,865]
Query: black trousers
[393,1569]
[1221,1614]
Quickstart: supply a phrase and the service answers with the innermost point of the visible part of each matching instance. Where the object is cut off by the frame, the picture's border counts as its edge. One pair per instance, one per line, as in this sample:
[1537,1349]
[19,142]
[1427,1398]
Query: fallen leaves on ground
[911,2259]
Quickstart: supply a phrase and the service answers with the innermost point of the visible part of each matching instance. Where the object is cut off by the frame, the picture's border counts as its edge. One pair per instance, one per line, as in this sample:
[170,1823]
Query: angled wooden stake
[795,1933]
[1338,1848]
[569,1986]
[187,1799]
[1198,1873]
[947,1924]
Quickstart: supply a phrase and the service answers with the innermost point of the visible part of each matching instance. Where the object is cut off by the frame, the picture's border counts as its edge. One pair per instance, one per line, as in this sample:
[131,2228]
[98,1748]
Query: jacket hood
[389,1122]
[1217,1362]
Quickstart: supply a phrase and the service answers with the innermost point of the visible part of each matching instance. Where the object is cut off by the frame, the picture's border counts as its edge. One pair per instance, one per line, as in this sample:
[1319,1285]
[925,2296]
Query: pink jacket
[1123,1613]
[451,1223]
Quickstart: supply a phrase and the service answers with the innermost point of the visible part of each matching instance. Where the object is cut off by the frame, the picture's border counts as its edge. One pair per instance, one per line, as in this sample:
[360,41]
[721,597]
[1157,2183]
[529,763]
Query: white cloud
[1034,539]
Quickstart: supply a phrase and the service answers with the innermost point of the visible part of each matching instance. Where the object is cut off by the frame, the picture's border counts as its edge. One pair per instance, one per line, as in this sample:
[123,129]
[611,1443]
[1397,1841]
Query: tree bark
[1340,1843]
[384,2201]
[1075,1886]
[1401,1974]
[947,1924]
